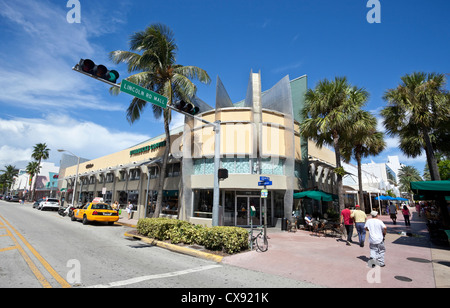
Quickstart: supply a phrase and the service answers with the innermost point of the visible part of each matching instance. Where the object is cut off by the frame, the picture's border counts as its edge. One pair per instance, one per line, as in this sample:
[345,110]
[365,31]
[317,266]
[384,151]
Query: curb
[176,248]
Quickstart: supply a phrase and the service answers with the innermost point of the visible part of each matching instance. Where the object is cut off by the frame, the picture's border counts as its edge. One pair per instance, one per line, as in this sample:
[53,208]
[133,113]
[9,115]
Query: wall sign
[148,148]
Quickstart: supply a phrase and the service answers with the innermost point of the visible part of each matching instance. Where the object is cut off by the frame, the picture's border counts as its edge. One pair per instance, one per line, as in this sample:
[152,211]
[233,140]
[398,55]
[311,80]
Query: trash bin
[284,224]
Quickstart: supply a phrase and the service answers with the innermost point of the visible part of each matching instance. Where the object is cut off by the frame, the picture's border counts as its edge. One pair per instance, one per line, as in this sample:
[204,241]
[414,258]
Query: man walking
[393,212]
[348,222]
[360,220]
[377,231]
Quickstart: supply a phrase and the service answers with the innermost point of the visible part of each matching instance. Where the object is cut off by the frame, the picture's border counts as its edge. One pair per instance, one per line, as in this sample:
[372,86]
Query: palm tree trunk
[360,186]
[340,188]
[431,159]
[162,175]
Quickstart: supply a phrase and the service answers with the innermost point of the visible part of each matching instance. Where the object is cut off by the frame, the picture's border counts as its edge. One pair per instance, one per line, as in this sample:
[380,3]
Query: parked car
[49,203]
[14,199]
[95,212]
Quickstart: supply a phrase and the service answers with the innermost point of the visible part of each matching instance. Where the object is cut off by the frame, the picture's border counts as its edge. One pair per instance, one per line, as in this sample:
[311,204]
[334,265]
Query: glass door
[242,211]
[243,206]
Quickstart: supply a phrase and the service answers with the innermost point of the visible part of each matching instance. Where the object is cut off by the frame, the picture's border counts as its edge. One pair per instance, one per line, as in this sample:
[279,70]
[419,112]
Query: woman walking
[406,214]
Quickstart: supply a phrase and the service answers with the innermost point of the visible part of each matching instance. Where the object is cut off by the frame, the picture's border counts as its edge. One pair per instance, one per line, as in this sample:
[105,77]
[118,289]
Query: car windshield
[52,200]
[101,206]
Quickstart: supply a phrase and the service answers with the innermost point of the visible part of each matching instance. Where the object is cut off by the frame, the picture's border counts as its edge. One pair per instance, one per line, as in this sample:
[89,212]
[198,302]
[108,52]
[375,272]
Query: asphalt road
[43,249]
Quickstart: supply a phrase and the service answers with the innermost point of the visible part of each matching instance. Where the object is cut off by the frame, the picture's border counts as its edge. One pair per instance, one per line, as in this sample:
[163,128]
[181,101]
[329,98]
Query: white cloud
[36,63]
[85,139]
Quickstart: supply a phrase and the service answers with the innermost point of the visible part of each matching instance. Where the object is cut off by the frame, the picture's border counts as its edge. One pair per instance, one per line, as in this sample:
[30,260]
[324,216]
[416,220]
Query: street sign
[264,178]
[143,93]
[264,183]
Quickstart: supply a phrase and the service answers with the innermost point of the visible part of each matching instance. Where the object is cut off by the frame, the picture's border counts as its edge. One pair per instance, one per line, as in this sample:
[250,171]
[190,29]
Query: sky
[42,100]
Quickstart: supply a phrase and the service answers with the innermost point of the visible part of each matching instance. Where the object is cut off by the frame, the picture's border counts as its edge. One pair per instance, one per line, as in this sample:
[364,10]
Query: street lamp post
[76,175]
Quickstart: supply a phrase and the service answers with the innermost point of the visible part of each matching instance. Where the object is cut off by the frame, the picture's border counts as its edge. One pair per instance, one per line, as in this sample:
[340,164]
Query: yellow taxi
[95,211]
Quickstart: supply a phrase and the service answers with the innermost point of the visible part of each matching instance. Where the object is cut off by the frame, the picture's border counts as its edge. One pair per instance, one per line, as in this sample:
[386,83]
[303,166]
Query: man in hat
[377,231]
[360,220]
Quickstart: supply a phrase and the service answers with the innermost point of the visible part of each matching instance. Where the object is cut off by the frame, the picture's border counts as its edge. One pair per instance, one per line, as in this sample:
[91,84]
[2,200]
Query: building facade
[259,137]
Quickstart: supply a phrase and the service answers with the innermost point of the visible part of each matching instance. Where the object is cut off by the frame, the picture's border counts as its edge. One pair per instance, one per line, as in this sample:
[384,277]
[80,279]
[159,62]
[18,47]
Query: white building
[46,181]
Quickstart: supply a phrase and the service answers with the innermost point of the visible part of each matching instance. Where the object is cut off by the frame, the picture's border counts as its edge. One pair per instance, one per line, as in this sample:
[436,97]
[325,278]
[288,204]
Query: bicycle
[260,240]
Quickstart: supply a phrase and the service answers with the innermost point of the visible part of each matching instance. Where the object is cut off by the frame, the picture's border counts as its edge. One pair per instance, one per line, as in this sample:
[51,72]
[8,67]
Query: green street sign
[143,93]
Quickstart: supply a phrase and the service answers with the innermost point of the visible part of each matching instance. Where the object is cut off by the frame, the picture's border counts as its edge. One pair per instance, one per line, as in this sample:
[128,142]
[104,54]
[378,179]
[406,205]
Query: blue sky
[43,100]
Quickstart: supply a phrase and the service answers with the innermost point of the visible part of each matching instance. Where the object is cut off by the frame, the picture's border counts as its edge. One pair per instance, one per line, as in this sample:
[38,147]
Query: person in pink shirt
[406,214]
[348,223]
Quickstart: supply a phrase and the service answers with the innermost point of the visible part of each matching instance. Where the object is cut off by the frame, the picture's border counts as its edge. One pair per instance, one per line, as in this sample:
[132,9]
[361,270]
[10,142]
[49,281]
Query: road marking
[8,248]
[156,276]
[30,263]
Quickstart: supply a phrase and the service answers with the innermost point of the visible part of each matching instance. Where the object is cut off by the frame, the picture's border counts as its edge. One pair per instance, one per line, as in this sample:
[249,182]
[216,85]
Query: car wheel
[73,218]
[85,221]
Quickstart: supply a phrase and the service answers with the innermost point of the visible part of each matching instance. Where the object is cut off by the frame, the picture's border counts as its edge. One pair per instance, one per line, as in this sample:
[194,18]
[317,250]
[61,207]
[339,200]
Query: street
[43,249]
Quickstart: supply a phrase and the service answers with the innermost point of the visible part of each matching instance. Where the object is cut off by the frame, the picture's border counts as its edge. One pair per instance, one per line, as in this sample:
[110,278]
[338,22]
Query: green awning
[430,190]
[439,187]
[314,194]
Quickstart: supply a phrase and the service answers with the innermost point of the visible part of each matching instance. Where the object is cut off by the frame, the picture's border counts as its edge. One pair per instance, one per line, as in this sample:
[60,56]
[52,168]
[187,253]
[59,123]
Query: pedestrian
[129,209]
[377,231]
[348,222]
[406,214]
[360,220]
[393,212]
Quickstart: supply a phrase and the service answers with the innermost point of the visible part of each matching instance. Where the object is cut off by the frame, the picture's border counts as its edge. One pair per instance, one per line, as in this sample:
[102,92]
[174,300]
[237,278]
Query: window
[135,174]
[110,177]
[122,175]
[203,201]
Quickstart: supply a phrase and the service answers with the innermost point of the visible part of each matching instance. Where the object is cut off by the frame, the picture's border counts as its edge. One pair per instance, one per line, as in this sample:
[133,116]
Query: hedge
[226,239]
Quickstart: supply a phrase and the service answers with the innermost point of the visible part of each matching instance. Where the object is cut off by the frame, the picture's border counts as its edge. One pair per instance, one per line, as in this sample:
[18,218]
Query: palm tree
[33,168]
[40,152]
[418,110]
[327,117]
[8,175]
[153,54]
[362,140]
[408,174]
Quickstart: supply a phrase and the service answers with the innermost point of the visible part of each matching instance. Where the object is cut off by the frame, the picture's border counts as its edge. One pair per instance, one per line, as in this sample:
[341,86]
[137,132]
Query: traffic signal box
[99,71]
[186,107]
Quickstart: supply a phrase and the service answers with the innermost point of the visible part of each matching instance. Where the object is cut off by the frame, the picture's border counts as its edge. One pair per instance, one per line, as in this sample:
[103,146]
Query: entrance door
[243,205]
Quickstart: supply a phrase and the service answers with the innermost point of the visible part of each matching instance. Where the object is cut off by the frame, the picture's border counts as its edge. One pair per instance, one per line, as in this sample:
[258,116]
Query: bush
[227,239]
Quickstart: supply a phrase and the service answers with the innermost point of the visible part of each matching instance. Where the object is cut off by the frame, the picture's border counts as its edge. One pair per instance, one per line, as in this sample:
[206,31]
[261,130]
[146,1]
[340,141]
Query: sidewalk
[411,261]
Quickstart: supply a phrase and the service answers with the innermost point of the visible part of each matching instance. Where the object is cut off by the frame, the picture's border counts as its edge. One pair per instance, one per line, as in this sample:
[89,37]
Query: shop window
[169,204]
[203,202]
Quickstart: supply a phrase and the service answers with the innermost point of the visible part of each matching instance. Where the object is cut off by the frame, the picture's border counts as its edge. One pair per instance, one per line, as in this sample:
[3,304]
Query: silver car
[49,204]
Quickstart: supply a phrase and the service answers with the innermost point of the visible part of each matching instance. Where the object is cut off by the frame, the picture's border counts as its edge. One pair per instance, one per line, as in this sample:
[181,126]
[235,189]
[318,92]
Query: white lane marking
[157,276]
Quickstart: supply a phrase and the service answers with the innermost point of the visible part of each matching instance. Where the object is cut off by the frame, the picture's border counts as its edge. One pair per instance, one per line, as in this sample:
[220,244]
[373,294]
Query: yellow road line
[8,248]
[32,266]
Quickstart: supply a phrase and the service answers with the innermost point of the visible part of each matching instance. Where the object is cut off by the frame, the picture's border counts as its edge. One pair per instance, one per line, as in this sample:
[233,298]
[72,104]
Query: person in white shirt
[377,231]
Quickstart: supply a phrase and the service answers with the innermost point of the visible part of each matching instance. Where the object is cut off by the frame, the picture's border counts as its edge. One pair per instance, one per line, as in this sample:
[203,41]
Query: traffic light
[100,71]
[223,174]
[186,107]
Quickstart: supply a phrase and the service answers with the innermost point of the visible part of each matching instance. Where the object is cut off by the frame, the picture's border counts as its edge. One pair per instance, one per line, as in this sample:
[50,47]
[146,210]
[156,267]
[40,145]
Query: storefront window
[169,205]
[203,202]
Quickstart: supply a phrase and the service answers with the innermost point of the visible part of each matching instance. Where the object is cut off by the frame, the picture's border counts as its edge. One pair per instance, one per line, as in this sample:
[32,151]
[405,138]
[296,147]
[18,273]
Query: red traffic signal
[100,71]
